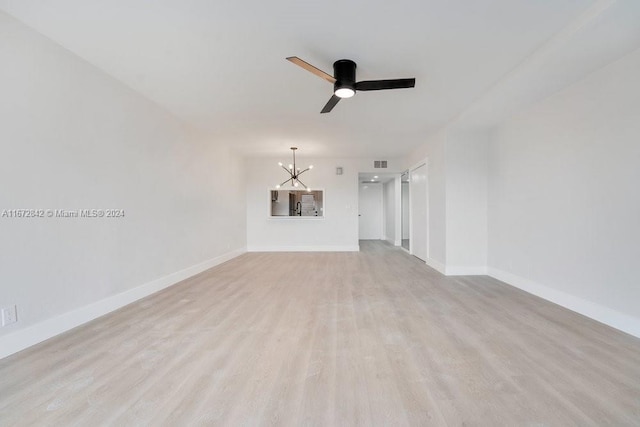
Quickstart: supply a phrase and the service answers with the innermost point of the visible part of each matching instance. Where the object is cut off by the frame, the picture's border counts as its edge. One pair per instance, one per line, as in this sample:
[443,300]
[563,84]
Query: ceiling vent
[380,164]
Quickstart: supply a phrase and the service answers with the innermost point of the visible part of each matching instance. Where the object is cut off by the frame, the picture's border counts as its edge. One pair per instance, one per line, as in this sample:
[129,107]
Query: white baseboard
[394,242]
[319,248]
[31,335]
[462,270]
[608,316]
[437,265]
[390,241]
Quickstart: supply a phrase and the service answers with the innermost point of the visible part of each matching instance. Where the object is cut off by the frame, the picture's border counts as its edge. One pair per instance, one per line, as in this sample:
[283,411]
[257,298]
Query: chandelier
[294,172]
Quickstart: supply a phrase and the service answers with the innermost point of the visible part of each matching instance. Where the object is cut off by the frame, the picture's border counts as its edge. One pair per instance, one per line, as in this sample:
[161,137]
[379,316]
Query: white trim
[608,316]
[436,265]
[465,270]
[31,335]
[319,248]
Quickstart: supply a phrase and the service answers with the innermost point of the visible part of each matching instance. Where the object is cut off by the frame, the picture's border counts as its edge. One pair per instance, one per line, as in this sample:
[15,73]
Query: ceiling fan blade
[299,62]
[332,103]
[386,84]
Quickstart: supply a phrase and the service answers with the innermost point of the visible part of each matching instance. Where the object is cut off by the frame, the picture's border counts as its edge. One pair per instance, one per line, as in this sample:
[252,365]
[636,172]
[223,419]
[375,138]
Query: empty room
[292,213]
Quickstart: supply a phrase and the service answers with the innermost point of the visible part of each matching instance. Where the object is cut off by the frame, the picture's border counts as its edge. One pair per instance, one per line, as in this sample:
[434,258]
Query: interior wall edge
[436,265]
[600,313]
[49,328]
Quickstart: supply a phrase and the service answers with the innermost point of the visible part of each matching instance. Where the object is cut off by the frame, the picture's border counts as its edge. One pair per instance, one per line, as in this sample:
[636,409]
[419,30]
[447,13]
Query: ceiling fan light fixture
[344,92]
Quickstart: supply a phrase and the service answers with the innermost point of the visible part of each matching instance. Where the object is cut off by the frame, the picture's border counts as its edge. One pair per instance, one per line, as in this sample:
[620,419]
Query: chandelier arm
[282,166]
[286,182]
[302,183]
[301,172]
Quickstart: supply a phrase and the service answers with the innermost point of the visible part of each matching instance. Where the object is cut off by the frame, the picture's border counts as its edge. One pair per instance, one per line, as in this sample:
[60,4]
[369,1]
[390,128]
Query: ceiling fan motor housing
[344,71]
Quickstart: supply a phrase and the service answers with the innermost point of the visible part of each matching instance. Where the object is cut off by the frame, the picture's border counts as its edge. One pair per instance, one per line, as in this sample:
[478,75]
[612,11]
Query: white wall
[466,202]
[564,198]
[390,207]
[338,231]
[71,138]
[547,201]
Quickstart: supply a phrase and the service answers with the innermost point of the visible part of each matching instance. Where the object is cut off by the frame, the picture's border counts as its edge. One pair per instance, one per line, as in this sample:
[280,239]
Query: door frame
[424,163]
[401,212]
[397,210]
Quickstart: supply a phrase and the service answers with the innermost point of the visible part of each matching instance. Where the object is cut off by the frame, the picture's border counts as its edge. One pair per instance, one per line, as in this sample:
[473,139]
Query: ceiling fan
[344,80]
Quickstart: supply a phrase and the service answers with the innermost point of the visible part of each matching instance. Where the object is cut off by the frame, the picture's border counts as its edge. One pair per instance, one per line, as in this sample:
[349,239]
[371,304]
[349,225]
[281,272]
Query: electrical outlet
[9,315]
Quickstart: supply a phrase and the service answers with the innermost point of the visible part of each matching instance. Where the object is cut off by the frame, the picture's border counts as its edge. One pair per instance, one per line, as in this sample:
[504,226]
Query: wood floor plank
[368,338]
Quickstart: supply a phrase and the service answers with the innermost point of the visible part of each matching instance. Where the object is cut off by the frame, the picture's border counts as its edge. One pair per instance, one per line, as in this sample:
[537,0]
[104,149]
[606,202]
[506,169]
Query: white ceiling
[220,65]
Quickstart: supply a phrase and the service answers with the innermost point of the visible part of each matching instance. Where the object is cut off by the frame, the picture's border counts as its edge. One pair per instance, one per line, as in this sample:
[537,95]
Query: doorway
[370,211]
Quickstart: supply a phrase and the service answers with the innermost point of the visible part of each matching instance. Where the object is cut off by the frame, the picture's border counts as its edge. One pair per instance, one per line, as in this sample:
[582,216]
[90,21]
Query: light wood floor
[330,339]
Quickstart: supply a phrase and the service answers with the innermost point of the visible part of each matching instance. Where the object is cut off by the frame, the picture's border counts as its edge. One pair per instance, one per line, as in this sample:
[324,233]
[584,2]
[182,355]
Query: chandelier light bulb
[308,190]
[295,184]
[279,163]
[278,186]
[290,166]
[310,166]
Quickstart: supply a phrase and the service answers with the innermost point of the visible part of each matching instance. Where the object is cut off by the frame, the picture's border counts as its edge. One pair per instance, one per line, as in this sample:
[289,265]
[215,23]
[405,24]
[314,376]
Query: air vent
[380,164]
